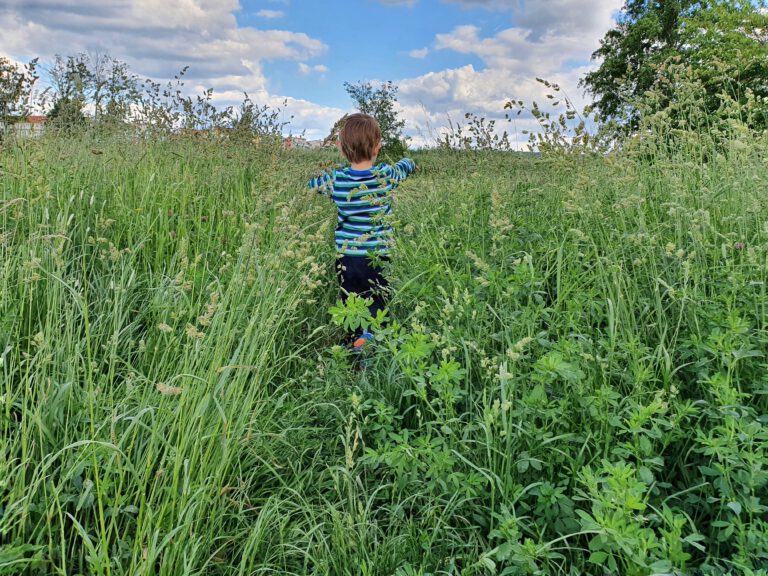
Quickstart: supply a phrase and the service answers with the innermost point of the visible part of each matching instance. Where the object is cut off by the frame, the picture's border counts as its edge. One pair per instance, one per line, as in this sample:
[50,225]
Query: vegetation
[722,43]
[477,133]
[571,379]
[16,83]
[381,103]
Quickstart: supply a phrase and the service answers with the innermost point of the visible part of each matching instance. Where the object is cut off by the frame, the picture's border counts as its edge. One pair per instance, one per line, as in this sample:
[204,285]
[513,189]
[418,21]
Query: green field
[573,379]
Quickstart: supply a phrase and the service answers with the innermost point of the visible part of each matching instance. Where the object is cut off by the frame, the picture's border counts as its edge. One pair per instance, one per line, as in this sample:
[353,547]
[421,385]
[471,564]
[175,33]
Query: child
[362,196]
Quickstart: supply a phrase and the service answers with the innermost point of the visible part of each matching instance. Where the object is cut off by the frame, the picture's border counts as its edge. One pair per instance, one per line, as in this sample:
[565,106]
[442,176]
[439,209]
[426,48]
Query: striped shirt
[363,201]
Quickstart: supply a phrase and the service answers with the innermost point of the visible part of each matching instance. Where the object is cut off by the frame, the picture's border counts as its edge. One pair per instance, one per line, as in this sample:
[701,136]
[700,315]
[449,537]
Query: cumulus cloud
[152,35]
[158,38]
[550,16]
[553,40]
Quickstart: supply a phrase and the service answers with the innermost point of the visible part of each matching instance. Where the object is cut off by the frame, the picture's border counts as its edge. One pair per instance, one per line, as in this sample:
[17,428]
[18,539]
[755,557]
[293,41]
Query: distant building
[294,142]
[30,127]
[298,143]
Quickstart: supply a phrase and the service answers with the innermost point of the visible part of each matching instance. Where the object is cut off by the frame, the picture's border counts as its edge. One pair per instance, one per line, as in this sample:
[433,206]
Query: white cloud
[552,40]
[270,14]
[307,69]
[159,37]
[554,16]
[542,17]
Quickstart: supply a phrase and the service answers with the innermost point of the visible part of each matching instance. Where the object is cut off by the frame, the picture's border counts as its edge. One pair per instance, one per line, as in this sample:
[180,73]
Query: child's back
[362,193]
[363,200]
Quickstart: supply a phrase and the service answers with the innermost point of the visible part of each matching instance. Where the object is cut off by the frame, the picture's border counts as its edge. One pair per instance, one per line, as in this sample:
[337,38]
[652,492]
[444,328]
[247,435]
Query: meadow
[572,379]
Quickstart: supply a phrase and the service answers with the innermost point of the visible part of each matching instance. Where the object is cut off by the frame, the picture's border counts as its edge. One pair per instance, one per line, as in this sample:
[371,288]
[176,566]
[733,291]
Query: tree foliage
[381,104]
[16,84]
[260,123]
[96,79]
[723,41]
[726,47]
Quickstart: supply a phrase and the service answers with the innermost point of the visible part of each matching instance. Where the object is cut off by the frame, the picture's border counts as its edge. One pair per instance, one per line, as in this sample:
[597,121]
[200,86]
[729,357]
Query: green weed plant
[571,378]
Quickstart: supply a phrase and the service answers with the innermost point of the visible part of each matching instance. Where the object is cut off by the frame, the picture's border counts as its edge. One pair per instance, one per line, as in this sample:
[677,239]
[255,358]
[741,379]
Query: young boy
[362,196]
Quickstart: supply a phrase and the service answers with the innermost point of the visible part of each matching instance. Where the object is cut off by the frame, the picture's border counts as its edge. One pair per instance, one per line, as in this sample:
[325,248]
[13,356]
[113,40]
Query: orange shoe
[358,344]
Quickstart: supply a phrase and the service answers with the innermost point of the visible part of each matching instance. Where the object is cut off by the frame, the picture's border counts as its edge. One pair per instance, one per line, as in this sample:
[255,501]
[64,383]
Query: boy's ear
[377,149]
[338,146]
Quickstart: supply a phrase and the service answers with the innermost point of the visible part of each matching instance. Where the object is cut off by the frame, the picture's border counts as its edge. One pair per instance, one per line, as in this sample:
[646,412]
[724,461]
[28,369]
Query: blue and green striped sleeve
[401,169]
[323,184]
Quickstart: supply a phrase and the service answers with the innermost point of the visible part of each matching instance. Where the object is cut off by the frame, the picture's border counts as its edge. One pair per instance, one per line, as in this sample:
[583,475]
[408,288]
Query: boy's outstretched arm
[402,169]
[323,184]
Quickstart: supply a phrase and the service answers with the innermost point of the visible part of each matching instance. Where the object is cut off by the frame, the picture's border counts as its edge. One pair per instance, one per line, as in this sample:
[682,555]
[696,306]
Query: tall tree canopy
[723,41]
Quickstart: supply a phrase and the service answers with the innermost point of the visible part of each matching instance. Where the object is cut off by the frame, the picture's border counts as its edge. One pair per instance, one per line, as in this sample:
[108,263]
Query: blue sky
[371,40]
[447,56]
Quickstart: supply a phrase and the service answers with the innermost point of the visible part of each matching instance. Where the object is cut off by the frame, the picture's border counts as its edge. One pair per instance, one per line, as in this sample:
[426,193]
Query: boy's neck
[364,165]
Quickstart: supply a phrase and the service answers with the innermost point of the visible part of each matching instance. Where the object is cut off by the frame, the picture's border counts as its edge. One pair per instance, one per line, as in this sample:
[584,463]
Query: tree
[67,114]
[112,89]
[380,103]
[726,47]
[16,83]
[261,124]
[71,80]
[650,34]
[95,79]
[646,35]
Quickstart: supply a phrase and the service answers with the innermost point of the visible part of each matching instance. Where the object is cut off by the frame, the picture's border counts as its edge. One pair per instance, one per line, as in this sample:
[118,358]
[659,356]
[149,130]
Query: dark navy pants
[363,276]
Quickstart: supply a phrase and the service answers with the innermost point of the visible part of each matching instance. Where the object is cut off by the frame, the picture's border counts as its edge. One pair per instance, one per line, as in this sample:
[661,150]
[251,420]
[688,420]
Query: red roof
[36,119]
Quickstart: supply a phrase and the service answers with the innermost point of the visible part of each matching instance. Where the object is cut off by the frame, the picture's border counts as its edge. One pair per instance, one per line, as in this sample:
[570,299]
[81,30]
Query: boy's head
[360,138]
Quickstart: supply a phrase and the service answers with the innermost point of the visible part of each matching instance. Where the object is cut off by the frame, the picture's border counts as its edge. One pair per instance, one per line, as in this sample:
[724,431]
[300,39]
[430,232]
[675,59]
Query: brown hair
[359,137]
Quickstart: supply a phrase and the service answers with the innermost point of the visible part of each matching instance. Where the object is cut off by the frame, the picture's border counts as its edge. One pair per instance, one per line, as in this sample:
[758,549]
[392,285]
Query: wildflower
[193,332]
[163,327]
[205,319]
[738,246]
[520,344]
[512,355]
[167,390]
[114,253]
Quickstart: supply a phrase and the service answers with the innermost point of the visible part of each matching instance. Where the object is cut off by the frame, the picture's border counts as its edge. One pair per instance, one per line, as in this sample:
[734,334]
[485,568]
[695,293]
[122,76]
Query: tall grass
[572,380]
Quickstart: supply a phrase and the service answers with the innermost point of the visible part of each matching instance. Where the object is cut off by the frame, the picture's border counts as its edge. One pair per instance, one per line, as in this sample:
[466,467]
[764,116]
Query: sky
[447,57]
